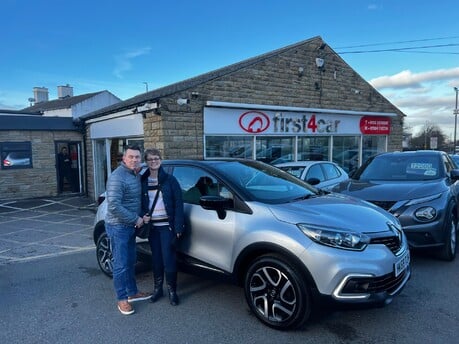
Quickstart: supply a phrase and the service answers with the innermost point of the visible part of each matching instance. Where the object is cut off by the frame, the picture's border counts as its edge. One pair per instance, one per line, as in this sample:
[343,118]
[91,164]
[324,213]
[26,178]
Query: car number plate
[402,263]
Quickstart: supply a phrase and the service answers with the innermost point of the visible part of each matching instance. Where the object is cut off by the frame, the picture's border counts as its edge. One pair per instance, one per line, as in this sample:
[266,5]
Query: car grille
[392,242]
[386,205]
[387,283]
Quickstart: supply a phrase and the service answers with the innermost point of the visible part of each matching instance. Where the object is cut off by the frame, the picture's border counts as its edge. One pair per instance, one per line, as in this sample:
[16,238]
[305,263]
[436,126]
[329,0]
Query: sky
[408,50]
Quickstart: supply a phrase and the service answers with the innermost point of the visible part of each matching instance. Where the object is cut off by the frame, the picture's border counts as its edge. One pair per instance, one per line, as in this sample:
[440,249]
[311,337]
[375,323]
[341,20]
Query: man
[123,209]
[64,165]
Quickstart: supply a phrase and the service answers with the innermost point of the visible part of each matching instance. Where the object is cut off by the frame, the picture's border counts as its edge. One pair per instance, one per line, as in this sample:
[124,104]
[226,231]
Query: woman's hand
[146,218]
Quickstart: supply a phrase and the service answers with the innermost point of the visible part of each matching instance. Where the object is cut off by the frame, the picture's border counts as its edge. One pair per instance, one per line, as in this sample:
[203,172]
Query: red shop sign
[370,125]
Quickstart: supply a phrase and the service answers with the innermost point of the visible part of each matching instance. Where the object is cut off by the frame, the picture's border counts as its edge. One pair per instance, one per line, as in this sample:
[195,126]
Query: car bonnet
[334,211]
[393,191]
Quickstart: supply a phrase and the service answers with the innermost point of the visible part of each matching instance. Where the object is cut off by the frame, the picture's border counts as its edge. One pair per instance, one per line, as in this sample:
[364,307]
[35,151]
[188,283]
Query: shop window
[346,152]
[313,148]
[16,155]
[229,147]
[373,145]
[275,150]
[272,150]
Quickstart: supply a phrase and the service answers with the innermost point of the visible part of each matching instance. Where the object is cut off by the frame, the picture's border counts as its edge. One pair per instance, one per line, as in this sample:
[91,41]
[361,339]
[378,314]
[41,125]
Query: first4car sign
[257,122]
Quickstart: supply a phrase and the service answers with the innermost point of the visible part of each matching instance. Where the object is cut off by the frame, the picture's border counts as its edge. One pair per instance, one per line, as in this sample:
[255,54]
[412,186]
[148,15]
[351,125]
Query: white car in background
[16,159]
[322,174]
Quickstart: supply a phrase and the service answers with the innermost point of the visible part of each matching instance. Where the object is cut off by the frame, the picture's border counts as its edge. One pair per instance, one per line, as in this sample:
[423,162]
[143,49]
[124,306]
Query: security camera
[319,62]
[183,101]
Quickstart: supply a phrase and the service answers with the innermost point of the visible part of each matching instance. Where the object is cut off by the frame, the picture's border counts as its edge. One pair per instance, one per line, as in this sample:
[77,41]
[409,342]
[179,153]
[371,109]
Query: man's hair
[132,147]
[151,151]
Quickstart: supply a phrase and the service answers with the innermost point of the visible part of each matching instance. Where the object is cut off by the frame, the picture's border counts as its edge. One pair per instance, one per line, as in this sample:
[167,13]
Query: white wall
[97,102]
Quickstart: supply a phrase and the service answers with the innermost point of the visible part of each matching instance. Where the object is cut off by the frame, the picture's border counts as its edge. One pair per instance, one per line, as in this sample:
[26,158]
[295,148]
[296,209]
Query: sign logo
[254,122]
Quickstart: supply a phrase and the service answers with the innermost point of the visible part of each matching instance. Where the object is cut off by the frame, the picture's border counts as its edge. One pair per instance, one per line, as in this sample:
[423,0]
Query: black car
[420,188]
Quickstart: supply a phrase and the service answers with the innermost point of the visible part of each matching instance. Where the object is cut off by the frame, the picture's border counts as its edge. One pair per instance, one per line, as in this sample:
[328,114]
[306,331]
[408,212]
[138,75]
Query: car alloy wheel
[104,254]
[276,293]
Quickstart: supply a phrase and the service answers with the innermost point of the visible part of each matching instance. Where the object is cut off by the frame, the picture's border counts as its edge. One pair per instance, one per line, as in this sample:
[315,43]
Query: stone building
[31,139]
[299,102]
[28,149]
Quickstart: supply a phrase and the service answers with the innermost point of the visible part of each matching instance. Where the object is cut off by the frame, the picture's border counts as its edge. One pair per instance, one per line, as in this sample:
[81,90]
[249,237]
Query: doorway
[68,167]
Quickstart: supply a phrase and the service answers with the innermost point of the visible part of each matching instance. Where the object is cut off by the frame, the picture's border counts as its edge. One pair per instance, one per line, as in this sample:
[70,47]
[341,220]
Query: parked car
[455,158]
[290,157]
[287,244]
[322,174]
[16,159]
[418,187]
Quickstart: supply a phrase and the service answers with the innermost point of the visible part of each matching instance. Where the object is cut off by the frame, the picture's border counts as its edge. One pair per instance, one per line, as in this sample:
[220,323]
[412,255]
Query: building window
[349,151]
[16,155]
[108,154]
[313,148]
[269,149]
[275,150]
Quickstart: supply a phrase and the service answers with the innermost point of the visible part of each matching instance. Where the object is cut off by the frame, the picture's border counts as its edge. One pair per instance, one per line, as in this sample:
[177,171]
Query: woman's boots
[171,281]
[158,289]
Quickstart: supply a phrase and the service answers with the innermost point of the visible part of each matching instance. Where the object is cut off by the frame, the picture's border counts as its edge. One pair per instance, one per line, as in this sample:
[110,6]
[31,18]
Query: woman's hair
[151,151]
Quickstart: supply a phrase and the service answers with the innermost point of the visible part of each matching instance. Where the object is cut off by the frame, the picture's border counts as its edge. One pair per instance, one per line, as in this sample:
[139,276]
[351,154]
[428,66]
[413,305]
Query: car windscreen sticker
[431,172]
[424,168]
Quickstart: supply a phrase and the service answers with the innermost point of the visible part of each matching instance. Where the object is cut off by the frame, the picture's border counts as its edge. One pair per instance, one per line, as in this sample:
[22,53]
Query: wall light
[300,71]
[183,101]
[319,62]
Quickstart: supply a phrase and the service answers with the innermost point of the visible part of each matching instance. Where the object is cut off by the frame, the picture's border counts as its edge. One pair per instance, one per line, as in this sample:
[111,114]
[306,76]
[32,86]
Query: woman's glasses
[153,159]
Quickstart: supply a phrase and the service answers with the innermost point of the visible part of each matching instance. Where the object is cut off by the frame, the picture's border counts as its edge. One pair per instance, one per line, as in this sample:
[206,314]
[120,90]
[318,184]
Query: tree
[422,140]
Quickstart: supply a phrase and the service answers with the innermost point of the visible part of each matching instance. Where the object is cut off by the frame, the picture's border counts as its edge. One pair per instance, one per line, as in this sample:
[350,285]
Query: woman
[167,220]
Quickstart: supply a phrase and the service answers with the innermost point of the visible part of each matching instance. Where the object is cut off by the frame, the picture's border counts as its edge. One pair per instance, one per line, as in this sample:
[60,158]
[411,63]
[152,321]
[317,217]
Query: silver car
[287,244]
[16,159]
[322,174]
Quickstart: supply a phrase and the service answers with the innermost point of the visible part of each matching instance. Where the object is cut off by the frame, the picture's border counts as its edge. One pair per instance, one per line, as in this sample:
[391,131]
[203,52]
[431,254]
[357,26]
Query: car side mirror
[454,175]
[217,203]
[313,181]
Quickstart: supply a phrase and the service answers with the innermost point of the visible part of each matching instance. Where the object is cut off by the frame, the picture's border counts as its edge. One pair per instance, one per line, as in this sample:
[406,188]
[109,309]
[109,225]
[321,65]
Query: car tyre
[104,254]
[276,293]
[448,251]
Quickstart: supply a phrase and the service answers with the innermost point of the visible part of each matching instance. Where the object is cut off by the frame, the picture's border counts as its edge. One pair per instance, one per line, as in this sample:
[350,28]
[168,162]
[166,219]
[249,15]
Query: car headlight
[425,213]
[335,238]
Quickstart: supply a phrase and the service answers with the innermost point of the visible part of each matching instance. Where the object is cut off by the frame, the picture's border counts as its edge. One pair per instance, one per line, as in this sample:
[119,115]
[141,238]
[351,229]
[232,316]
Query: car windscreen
[264,183]
[399,168]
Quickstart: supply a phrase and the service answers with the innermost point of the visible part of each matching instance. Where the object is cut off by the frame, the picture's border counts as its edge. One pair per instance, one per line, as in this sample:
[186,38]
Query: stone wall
[41,179]
[178,130]
[271,79]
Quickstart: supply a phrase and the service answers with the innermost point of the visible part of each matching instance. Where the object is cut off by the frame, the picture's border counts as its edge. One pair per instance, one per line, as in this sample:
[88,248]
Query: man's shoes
[139,297]
[125,308]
